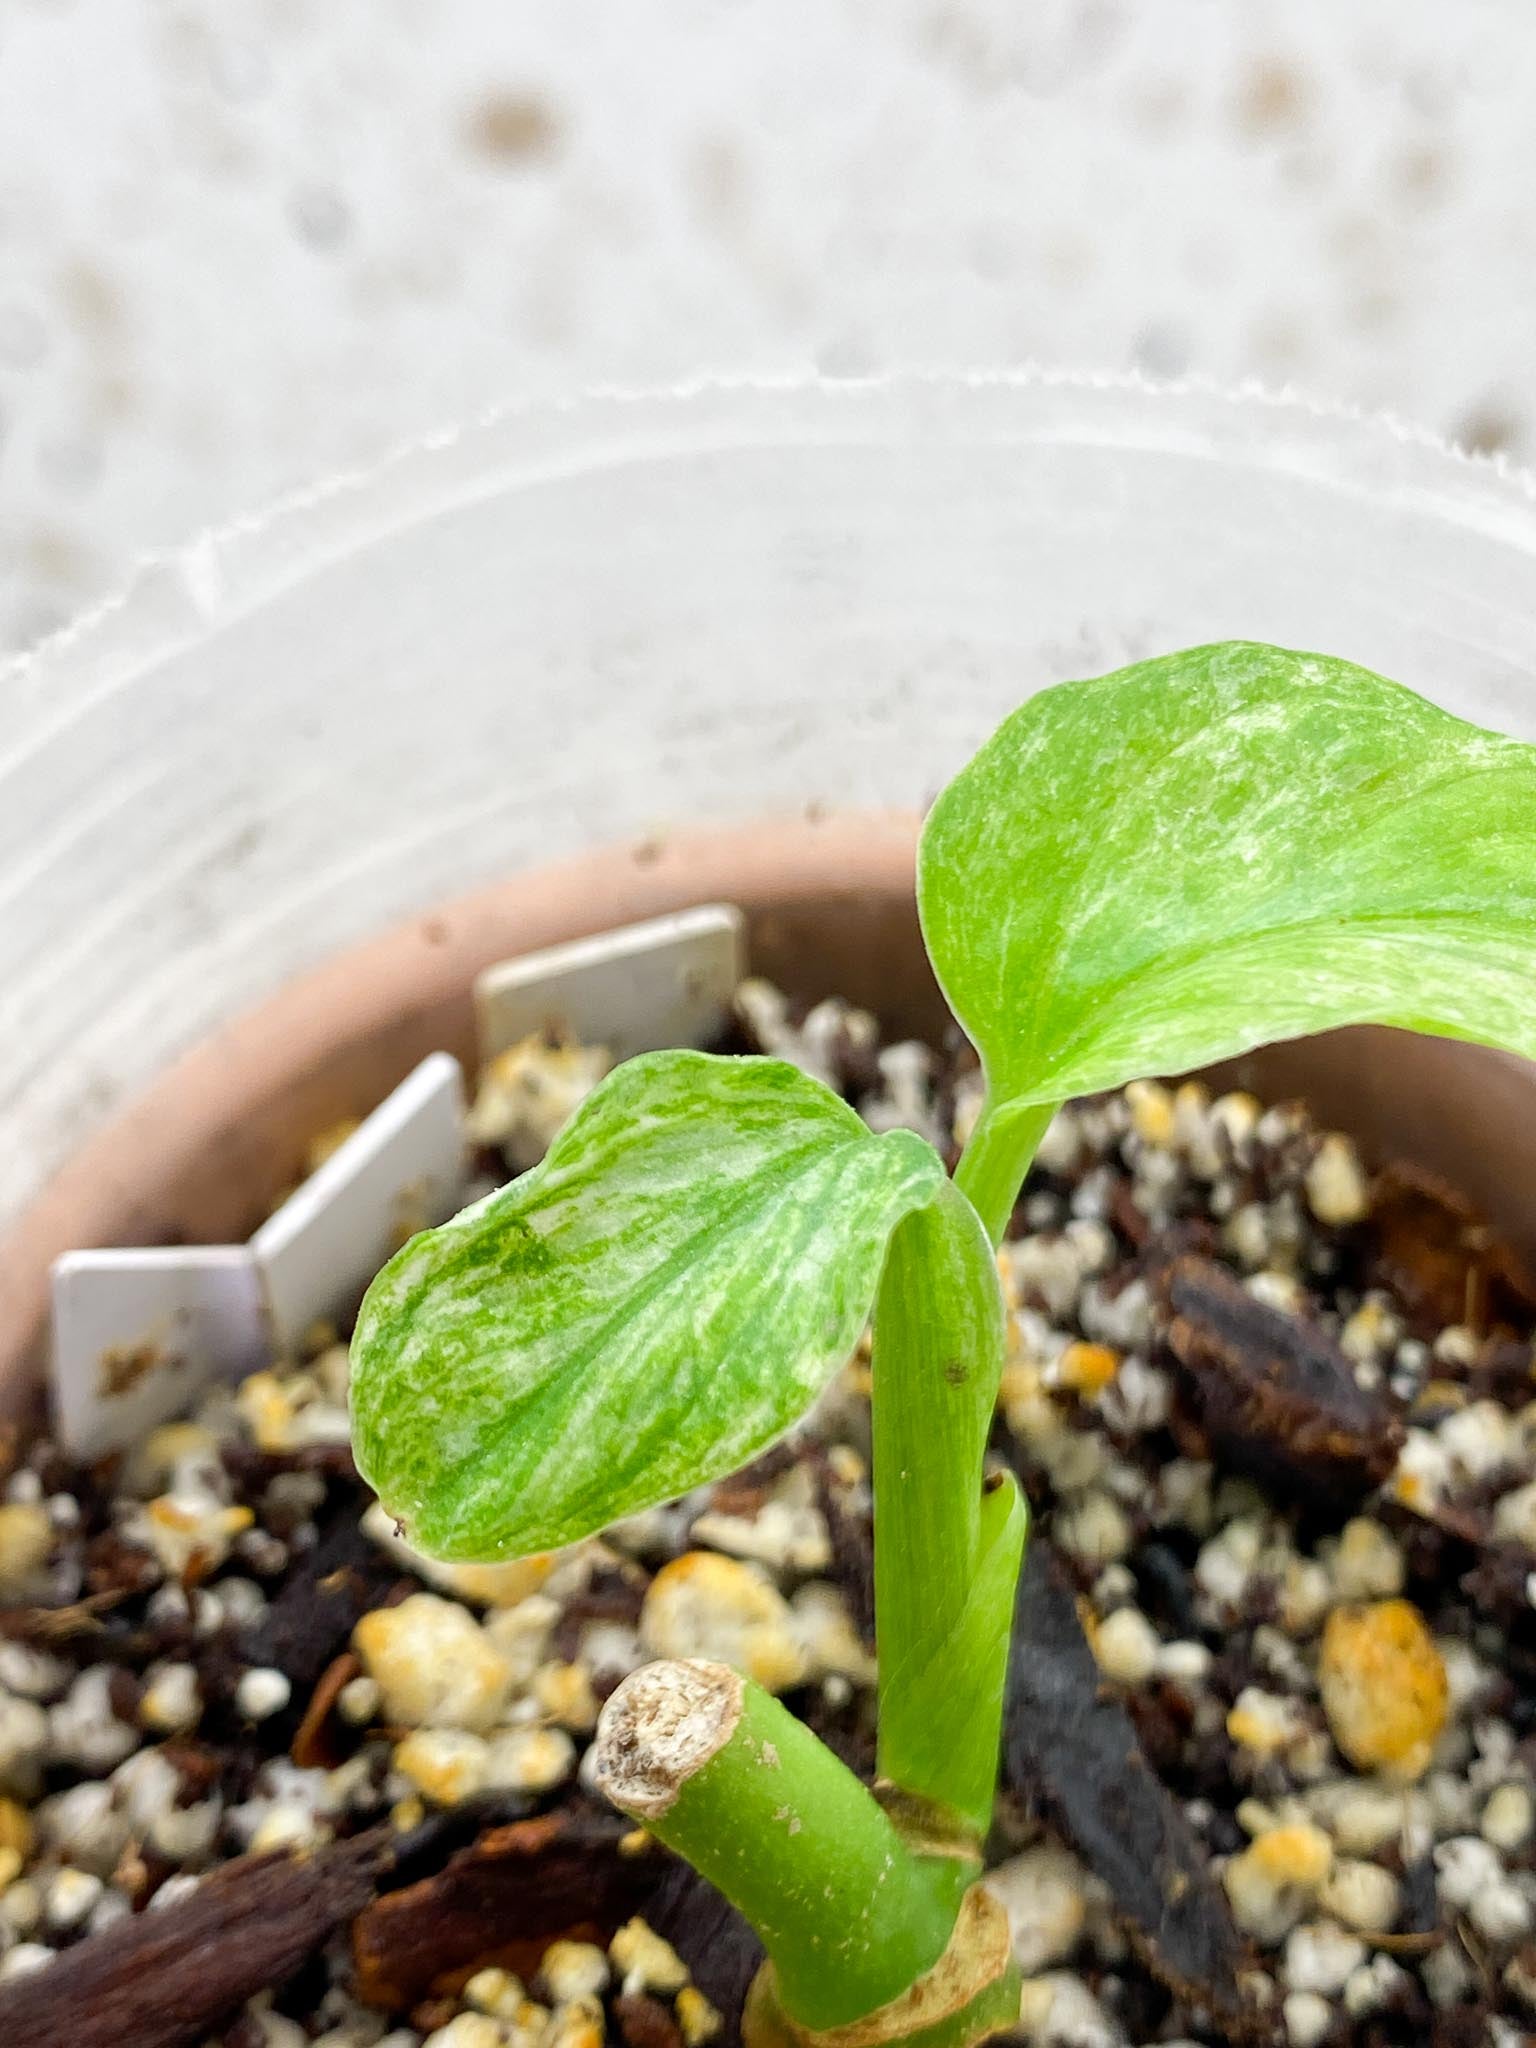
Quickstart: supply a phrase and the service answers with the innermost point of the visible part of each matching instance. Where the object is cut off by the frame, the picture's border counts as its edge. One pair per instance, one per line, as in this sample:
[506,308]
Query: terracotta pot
[830,909]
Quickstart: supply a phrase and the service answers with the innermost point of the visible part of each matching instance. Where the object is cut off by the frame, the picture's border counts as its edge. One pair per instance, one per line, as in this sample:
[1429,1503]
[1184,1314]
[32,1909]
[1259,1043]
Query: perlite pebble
[726,1612]
[24,1736]
[446,1765]
[1274,1880]
[573,1969]
[1126,1646]
[468,2030]
[498,1993]
[69,1898]
[1059,2011]
[171,1703]
[1362,1895]
[1226,1564]
[1307,2018]
[84,1730]
[22,1960]
[1368,1562]
[1467,1865]
[645,1962]
[359,1700]
[1264,1723]
[26,1539]
[1364,1817]
[262,1692]
[183,1834]
[433,1664]
[1319,1957]
[1373,1985]
[1184,1662]
[1508,1817]
[87,1824]
[1514,1517]
[1337,1190]
[1480,1438]
[33,1674]
[1094,1528]
[1042,1893]
[530,1759]
[577,2025]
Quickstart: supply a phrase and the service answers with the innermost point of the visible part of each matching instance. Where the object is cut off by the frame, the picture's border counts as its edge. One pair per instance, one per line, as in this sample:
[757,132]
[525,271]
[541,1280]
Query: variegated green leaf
[1223,847]
[648,1308]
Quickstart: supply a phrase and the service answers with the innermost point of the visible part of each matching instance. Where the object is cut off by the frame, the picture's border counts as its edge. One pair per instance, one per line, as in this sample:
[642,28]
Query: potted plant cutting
[1135,876]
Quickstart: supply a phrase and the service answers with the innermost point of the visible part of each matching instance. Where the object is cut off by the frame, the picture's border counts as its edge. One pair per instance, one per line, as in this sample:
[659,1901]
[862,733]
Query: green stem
[722,1773]
[940,1545]
[997,1157]
[947,1554]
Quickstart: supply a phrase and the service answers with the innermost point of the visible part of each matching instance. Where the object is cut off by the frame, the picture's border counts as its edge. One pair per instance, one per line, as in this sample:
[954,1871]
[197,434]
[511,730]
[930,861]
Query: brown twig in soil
[1272,1392]
[166,1979]
[500,1899]
[41,1625]
[1070,1750]
[314,1746]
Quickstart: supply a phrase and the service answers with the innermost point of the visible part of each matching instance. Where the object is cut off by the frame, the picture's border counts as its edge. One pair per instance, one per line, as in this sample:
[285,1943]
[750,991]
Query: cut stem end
[660,1728]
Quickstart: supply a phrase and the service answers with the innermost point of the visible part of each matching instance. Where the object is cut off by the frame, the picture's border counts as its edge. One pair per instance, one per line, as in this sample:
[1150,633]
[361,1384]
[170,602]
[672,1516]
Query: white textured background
[244,242]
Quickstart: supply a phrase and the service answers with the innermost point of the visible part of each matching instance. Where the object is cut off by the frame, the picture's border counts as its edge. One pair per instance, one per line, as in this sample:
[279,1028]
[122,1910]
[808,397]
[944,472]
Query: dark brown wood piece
[166,1979]
[525,1883]
[1272,1391]
[1071,1753]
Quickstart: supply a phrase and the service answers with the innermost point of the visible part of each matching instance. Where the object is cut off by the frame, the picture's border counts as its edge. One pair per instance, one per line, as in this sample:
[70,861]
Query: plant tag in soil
[401,1170]
[668,981]
[137,1333]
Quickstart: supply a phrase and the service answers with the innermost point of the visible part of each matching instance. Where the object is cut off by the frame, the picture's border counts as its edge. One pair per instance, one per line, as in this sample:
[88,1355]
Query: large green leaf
[1224,847]
[653,1304]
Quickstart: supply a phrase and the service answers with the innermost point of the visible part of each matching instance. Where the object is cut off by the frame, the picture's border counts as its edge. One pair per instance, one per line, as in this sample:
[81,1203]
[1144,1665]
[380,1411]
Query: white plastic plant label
[136,1335]
[401,1170]
[668,981]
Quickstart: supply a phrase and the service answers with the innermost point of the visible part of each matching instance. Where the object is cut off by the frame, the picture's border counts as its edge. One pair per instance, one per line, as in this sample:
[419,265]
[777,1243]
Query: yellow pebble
[1384,1687]
[26,1537]
[10,1867]
[1300,1855]
[696,2017]
[446,1765]
[564,1692]
[1088,1368]
[15,1828]
[645,1961]
[701,1605]
[495,1992]
[1151,1108]
[1262,1722]
[269,1409]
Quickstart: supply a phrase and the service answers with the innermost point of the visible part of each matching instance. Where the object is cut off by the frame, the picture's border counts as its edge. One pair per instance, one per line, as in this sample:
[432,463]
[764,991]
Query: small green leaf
[648,1308]
[1221,848]
[941,1709]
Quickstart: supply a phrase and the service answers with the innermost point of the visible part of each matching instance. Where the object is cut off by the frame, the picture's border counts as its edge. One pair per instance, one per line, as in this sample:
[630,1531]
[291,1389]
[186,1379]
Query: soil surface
[1270,1756]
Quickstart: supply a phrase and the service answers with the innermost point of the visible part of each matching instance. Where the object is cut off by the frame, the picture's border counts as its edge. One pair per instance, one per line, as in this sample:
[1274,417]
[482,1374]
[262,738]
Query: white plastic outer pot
[576,625]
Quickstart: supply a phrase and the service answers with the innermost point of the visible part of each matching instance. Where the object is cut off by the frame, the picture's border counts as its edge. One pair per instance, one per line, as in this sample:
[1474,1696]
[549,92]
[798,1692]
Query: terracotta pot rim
[403,987]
